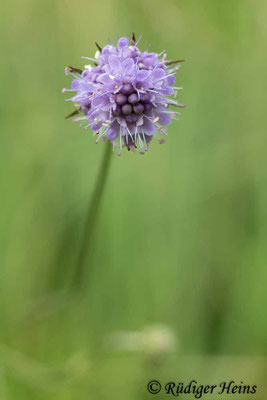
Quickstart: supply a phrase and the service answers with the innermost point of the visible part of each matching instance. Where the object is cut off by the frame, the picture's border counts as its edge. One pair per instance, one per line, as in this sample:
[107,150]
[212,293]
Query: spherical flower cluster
[125,95]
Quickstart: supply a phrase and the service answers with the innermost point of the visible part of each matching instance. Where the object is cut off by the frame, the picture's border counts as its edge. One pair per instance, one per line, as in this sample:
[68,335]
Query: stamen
[138,40]
[164,77]
[91,59]
[76,76]
[102,133]
[140,142]
[129,134]
[172,102]
[120,140]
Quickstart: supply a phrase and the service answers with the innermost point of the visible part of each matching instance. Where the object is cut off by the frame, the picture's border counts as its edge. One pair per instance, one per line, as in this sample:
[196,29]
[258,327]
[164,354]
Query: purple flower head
[124,96]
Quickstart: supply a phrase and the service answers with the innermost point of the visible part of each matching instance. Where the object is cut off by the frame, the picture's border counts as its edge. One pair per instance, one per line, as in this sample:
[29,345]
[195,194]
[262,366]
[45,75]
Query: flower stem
[91,217]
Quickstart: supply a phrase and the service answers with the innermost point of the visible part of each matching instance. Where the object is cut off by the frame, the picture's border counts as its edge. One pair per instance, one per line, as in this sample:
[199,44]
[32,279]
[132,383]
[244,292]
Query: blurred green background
[175,283]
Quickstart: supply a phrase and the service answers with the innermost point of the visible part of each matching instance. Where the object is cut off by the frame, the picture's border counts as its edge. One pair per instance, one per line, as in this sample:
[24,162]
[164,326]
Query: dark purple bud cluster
[130,105]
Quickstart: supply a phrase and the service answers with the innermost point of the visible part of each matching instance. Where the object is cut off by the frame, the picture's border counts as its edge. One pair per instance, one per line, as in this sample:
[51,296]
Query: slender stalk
[91,217]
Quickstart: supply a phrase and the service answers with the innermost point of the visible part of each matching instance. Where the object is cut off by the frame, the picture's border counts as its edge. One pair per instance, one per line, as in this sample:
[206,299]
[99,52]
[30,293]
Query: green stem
[91,217]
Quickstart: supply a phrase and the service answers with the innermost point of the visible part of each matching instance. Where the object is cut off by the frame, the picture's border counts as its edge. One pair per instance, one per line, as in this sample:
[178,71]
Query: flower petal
[164,118]
[101,101]
[115,64]
[122,43]
[113,130]
[75,84]
[142,75]
[151,60]
[171,80]
[87,87]
[166,91]
[158,74]
[148,127]
[128,66]
[104,78]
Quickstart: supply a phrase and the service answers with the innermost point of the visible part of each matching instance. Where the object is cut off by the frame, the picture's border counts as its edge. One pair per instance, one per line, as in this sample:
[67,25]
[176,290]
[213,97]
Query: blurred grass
[181,239]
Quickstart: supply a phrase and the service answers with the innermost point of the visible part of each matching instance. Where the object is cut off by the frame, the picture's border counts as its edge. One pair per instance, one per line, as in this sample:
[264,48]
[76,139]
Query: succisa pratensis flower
[125,95]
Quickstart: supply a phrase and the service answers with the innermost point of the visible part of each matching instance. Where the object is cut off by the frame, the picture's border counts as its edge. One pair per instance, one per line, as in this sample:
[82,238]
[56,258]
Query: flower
[125,96]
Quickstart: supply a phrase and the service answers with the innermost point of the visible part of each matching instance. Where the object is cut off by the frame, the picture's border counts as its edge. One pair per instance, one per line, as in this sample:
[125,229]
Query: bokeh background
[175,280]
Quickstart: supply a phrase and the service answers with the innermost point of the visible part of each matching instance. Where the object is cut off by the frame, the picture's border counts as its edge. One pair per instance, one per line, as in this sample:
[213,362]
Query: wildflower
[124,95]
